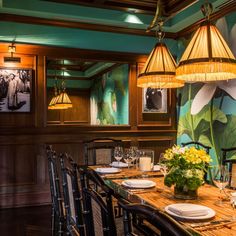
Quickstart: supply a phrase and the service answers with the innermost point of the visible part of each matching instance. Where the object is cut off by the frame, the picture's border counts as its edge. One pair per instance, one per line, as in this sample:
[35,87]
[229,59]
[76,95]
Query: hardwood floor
[26,221]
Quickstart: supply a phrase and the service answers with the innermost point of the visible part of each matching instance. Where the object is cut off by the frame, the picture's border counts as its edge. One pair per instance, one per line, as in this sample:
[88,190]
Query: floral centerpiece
[187,167]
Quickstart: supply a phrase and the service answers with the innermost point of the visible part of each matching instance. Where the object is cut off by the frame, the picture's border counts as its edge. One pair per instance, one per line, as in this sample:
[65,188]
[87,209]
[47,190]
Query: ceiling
[108,25]
[100,24]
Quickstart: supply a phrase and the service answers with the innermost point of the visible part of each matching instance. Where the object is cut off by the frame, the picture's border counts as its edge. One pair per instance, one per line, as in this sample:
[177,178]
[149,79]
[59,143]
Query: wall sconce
[12,50]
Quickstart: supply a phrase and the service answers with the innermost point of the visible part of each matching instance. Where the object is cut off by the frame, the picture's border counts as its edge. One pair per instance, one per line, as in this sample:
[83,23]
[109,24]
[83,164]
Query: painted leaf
[205,140]
[188,88]
[227,133]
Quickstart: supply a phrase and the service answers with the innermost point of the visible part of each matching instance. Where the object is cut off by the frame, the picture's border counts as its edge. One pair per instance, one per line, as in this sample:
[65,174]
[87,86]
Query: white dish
[138,183]
[108,170]
[119,164]
[210,213]
[156,168]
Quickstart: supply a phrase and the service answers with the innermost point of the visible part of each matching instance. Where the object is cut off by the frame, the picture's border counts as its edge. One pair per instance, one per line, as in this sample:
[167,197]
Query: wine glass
[133,150]
[128,157]
[163,166]
[220,177]
[163,169]
[118,154]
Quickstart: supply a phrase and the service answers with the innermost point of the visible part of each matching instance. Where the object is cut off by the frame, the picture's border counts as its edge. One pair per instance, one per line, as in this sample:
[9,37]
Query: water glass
[118,153]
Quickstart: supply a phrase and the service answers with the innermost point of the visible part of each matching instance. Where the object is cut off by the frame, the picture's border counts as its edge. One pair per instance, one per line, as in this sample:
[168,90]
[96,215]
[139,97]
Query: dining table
[223,222]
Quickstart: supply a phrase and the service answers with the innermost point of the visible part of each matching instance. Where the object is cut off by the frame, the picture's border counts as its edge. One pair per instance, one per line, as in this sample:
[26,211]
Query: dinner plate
[138,183]
[117,164]
[108,170]
[210,212]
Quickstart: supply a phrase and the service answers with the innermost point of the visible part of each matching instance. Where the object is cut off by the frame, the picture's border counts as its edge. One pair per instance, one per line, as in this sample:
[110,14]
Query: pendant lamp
[207,57]
[60,100]
[159,69]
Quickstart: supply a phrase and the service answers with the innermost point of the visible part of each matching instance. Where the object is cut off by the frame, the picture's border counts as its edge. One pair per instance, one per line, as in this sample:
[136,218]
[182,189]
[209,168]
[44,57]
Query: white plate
[138,183]
[117,164]
[108,170]
[211,213]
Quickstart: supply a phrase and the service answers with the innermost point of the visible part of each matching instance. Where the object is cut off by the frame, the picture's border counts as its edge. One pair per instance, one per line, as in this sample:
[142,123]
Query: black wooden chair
[72,196]
[100,150]
[98,204]
[58,217]
[154,222]
[227,154]
[198,145]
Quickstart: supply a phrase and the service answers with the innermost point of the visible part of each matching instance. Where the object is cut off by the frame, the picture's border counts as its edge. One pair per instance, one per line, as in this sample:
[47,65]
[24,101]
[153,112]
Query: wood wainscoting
[23,136]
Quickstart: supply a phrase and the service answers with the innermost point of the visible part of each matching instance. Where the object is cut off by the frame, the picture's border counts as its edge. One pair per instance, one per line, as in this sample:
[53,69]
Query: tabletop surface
[161,196]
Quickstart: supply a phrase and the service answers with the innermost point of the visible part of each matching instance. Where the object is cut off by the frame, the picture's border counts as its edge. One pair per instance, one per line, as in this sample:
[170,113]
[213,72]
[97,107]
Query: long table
[161,196]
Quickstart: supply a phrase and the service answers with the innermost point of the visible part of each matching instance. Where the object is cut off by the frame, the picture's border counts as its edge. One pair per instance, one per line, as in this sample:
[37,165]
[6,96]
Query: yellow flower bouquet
[187,167]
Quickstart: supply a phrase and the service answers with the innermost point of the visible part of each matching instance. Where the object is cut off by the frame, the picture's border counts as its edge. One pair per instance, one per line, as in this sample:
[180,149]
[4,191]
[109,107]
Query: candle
[145,163]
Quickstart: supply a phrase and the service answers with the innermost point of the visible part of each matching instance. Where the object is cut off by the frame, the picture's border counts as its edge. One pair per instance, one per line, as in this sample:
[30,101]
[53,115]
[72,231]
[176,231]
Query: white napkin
[138,183]
[156,167]
[188,209]
[107,170]
[119,164]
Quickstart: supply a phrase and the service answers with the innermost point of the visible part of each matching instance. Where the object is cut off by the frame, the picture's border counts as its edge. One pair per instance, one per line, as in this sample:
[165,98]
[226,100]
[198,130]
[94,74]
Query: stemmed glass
[220,177]
[133,151]
[163,168]
[128,157]
[118,154]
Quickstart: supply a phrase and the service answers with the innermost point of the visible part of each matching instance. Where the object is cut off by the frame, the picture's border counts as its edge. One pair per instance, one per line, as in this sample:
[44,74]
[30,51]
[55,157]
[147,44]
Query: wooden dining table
[160,196]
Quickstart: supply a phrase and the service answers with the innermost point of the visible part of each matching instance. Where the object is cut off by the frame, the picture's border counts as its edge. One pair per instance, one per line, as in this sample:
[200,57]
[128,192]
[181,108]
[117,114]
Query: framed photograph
[15,89]
[154,100]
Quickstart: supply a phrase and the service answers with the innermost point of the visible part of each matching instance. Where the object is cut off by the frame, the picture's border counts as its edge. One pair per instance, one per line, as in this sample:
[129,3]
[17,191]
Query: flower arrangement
[186,167]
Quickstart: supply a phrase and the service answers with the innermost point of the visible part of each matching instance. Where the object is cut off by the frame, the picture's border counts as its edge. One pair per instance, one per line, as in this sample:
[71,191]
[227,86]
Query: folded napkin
[188,210]
[156,167]
[119,164]
[138,183]
[107,170]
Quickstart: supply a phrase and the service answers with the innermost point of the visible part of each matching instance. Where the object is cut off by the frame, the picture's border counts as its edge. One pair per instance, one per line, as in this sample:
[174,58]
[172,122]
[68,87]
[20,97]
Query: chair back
[72,196]
[58,218]
[229,157]
[97,202]
[100,150]
[197,145]
[153,221]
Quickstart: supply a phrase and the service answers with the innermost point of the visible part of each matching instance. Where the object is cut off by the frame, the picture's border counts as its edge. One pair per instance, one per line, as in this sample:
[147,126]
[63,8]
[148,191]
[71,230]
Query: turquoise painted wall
[110,98]
[207,112]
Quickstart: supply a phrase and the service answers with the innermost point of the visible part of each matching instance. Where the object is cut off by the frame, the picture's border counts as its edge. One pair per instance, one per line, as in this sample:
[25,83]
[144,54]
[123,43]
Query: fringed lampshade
[159,70]
[207,57]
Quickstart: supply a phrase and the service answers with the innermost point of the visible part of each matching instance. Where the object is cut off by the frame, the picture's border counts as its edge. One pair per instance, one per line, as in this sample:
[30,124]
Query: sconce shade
[207,57]
[159,70]
[63,101]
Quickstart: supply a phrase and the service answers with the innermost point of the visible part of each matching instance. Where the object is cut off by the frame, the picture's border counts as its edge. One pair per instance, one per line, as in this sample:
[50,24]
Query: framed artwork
[15,89]
[154,100]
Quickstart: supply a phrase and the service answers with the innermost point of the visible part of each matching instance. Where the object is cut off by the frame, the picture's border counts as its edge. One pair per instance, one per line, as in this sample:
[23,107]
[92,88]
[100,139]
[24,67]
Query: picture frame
[15,89]
[154,100]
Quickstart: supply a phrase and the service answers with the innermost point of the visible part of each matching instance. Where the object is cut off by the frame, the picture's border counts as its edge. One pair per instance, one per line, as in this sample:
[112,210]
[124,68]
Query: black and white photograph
[154,100]
[15,90]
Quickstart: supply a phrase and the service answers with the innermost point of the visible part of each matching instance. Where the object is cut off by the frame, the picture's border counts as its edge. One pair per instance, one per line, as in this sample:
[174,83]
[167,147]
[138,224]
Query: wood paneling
[23,162]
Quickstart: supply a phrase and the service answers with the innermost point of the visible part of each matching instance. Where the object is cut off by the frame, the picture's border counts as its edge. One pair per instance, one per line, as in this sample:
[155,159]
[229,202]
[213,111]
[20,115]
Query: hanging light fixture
[53,101]
[207,57]
[159,69]
[63,101]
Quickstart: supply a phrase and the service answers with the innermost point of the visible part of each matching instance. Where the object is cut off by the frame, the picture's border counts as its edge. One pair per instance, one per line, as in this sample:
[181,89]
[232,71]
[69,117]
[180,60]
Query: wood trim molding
[224,10]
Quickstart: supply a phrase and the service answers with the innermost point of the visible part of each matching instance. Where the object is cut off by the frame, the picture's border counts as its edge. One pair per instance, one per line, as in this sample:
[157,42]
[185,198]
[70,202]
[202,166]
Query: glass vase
[182,192]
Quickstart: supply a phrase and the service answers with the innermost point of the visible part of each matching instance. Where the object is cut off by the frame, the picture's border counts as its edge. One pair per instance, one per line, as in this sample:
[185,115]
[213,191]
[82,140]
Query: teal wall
[207,112]
[110,98]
